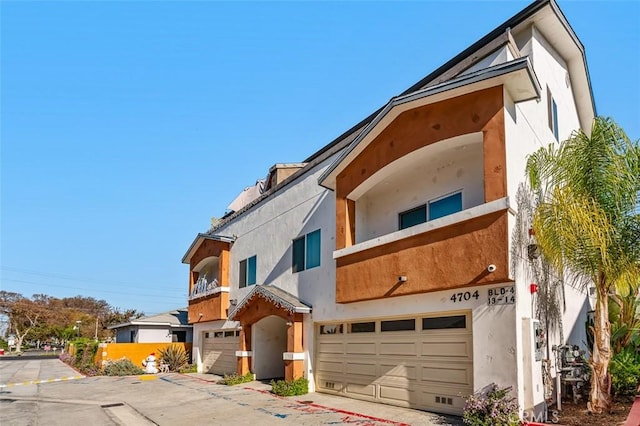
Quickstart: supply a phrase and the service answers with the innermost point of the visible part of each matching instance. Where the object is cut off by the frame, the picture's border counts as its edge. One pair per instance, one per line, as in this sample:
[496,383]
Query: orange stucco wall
[136,352]
[481,111]
[447,258]
[211,248]
[213,307]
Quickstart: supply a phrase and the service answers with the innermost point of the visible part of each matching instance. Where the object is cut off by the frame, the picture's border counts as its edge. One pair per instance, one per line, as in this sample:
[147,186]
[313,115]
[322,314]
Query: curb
[634,415]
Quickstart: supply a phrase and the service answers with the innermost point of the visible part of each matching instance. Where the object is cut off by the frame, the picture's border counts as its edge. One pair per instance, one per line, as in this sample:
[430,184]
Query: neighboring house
[379,268]
[171,326]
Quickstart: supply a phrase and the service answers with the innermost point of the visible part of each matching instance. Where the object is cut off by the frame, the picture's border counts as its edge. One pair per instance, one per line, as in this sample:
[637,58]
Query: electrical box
[533,351]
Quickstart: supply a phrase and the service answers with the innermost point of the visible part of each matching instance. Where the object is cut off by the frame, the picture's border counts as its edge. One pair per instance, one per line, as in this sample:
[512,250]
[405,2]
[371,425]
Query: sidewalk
[350,409]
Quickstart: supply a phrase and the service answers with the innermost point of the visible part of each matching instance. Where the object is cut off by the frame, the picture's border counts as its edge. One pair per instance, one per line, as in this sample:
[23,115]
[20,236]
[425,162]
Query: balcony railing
[204,287]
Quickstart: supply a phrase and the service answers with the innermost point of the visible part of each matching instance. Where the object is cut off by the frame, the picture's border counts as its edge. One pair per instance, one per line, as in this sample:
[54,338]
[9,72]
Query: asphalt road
[30,395]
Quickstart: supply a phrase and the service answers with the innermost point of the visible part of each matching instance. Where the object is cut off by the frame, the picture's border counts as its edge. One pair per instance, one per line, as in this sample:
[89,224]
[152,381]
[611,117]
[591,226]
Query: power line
[100,291]
[65,277]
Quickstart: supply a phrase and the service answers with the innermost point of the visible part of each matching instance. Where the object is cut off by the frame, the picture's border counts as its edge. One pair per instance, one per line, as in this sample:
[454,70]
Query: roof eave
[563,20]
[262,291]
[472,81]
[198,240]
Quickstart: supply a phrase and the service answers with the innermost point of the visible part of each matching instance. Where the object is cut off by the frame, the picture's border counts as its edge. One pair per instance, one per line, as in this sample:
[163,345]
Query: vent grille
[329,385]
[444,400]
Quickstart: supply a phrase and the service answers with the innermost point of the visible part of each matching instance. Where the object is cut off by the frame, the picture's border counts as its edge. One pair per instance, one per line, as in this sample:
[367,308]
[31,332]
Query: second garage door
[219,351]
[423,362]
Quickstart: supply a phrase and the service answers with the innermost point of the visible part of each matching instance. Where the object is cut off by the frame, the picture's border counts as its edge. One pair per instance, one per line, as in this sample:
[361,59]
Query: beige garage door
[219,351]
[423,362]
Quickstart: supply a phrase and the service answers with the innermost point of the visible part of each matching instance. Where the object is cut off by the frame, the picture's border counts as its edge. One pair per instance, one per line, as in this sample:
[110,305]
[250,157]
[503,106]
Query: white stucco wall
[527,129]
[153,335]
[269,342]
[269,229]
[147,334]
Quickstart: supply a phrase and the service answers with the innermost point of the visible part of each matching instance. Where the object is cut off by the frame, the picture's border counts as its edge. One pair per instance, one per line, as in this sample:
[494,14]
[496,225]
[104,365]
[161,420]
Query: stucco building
[166,327]
[379,267]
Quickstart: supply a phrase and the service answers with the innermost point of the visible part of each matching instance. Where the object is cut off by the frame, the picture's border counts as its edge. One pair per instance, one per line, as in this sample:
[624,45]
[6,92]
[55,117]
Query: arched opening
[205,276]
[270,342]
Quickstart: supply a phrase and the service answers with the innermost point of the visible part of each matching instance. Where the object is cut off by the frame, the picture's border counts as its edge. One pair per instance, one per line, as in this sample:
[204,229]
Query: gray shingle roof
[276,296]
[176,318]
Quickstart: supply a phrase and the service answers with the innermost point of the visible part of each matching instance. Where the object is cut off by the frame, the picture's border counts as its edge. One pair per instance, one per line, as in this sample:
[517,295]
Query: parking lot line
[37,382]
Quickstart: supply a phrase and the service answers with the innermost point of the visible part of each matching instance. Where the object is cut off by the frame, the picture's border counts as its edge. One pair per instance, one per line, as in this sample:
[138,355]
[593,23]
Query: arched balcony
[208,259]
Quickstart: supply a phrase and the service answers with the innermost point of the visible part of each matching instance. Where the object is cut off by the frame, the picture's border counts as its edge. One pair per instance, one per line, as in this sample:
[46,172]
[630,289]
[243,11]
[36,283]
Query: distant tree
[45,318]
[119,317]
[24,314]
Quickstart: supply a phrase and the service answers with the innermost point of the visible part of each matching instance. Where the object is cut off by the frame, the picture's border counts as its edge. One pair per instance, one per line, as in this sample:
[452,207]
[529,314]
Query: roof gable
[516,76]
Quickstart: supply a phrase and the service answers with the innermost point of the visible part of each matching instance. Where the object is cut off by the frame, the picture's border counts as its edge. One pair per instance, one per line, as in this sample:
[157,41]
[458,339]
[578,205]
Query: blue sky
[125,126]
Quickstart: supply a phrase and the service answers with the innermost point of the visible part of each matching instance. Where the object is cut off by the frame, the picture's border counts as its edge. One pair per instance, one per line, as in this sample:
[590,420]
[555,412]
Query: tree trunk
[20,337]
[600,396]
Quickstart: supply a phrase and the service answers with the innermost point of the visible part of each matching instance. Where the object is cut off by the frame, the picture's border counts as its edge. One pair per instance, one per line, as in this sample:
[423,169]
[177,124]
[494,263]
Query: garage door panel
[447,349]
[330,366]
[400,370]
[398,395]
[331,348]
[361,389]
[362,369]
[399,348]
[361,348]
[330,384]
[443,402]
[446,374]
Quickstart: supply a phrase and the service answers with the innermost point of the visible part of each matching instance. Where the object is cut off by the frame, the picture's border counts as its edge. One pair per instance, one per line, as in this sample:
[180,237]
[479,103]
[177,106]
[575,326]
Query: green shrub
[189,368]
[85,350]
[236,379]
[290,387]
[625,373]
[175,357]
[84,358]
[491,406]
[122,367]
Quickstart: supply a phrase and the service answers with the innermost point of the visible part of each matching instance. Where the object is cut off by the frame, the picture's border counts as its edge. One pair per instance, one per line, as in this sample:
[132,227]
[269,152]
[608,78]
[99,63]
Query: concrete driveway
[30,396]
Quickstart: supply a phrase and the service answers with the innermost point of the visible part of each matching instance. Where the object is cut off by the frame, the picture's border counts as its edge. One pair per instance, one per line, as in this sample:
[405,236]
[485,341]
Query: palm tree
[586,225]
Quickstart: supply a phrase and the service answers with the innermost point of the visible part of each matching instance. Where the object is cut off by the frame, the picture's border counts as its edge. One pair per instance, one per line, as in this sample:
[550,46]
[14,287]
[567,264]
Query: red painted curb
[634,415]
[335,410]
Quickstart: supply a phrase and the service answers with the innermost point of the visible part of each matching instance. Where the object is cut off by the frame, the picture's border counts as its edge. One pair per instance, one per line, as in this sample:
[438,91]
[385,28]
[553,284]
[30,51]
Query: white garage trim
[293,356]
